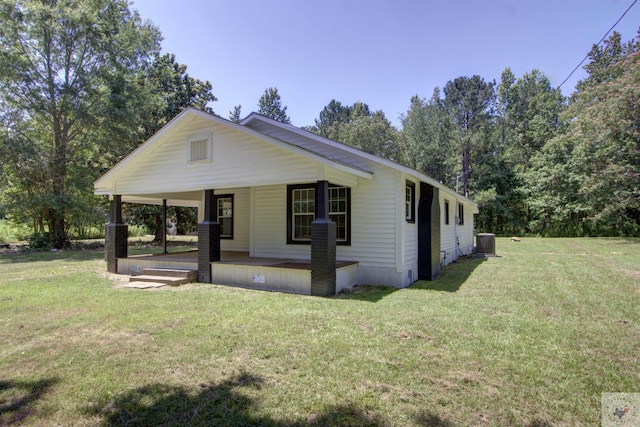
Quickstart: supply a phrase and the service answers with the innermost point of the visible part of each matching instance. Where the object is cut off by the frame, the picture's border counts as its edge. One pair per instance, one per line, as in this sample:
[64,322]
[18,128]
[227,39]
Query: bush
[41,240]
[138,231]
[11,232]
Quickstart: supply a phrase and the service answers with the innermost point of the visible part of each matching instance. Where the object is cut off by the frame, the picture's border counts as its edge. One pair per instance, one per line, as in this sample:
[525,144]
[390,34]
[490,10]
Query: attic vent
[199,150]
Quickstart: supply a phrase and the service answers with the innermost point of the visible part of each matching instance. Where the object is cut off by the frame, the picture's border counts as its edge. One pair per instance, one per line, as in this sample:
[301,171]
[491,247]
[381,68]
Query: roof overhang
[105,185]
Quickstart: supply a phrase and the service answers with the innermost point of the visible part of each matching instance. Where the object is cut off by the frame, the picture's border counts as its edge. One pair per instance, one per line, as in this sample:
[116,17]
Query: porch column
[116,234]
[323,245]
[208,238]
[428,232]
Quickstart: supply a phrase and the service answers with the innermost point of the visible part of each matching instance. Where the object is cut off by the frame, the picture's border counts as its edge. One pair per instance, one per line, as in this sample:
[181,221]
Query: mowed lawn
[530,338]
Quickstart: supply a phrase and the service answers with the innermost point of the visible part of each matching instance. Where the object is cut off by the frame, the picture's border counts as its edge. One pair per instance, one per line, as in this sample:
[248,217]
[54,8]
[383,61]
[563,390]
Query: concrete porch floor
[232,257]
[239,269]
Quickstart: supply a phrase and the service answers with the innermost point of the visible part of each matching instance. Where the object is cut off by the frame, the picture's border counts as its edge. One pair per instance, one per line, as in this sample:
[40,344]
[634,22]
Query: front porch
[240,269]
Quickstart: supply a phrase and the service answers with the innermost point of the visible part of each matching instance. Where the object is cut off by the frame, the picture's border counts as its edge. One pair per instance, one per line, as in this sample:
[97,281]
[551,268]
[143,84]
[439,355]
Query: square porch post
[208,239]
[116,234]
[323,245]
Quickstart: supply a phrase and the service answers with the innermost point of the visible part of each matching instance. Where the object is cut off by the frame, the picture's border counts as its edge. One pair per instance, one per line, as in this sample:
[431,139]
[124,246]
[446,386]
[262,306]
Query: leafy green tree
[371,133]
[470,101]
[528,112]
[235,115]
[332,115]
[426,139]
[586,181]
[359,127]
[603,60]
[170,91]
[67,80]
[270,105]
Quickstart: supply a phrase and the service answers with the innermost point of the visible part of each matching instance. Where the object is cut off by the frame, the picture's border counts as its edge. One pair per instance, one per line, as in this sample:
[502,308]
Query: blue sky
[380,52]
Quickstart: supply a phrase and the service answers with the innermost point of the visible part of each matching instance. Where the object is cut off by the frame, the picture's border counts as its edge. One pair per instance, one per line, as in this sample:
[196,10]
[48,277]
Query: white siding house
[394,225]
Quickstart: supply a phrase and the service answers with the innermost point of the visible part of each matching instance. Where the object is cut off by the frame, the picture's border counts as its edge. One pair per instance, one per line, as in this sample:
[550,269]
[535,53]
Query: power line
[597,44]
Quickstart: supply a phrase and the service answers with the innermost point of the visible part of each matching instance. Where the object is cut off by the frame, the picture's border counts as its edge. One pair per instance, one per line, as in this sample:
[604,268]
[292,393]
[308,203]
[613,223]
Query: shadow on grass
[453,276]
[367,293]
[16,398]
[222,404]
[432,420]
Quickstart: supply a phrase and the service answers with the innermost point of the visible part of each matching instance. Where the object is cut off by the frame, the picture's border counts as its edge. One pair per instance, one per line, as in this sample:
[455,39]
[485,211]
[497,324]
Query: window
[301,212]
[224,206]
[446,212]
[460,214]
[338,211]
[304,212]
[409,201]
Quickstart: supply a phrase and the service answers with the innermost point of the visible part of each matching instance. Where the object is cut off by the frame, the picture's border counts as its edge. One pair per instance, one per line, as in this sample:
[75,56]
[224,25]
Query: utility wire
[597,44]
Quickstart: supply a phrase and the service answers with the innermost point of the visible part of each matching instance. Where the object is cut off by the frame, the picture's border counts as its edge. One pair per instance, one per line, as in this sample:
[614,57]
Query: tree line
[83,83]
[534,160]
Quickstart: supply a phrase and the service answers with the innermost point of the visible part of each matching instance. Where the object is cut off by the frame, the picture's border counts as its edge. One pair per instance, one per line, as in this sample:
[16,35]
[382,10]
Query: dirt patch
[634,275]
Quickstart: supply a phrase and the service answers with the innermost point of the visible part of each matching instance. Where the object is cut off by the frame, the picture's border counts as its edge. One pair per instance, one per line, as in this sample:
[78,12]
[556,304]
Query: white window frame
[309,212]
[409,202]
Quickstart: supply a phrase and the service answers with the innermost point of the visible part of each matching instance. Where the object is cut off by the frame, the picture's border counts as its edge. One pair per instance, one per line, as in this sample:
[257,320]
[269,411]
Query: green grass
[531,338]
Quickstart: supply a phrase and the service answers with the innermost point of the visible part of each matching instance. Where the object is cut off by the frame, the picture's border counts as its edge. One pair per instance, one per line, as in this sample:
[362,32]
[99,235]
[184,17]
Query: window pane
[341,226]
[226,227]
[408,207]
[302,227]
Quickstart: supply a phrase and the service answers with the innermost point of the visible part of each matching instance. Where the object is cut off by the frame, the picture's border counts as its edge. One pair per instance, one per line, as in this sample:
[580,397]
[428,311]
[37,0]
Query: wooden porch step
[168,276]
[168,280]
[172,272]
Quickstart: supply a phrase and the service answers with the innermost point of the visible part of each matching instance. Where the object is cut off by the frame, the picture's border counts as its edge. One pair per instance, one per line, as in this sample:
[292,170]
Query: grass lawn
[531,338]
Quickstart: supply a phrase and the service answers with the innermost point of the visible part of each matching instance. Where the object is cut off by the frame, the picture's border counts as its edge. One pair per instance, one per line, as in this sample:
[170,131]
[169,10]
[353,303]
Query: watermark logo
[620,409]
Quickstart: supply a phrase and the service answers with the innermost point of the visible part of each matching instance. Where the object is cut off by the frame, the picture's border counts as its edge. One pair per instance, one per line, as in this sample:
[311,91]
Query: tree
[358,127]
[426,139]
[586,181]
[67,73]
[170,91]
[331,115]
[470,102]
[371,133]
[528,112]
[235,115]
[270,106]
[603,60]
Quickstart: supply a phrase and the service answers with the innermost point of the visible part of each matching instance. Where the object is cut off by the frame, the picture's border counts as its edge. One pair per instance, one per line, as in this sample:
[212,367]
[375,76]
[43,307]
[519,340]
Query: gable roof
[187,117]
[335,150]
[314,147]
